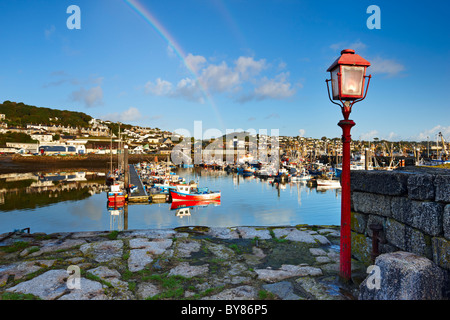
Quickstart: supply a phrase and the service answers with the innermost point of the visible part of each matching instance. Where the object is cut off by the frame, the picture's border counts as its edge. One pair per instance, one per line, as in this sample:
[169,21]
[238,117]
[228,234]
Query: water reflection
[28,191]
[183,209]
[118,218]
[76,201]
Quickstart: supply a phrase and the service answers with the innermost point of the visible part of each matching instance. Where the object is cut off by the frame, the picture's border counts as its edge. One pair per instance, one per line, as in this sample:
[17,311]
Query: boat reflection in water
[183,208]
[118,217]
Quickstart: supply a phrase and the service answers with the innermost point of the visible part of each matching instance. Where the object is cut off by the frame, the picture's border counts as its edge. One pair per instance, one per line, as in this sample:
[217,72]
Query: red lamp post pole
[348,73]
[346,251]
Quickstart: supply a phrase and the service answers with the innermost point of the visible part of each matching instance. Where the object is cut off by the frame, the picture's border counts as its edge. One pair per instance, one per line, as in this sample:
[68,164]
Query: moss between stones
[361,248]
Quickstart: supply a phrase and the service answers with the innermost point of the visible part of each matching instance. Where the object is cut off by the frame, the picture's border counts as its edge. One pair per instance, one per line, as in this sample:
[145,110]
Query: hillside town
[99,138]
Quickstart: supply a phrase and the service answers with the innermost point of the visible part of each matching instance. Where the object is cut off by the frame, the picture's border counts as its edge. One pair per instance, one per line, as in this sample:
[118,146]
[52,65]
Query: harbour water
[72,205]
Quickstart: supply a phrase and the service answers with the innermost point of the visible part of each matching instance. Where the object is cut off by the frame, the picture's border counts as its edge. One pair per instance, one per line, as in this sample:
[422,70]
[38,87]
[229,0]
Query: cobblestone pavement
[192,263]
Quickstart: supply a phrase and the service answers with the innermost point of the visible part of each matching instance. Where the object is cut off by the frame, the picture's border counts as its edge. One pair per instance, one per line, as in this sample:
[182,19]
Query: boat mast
[110,153]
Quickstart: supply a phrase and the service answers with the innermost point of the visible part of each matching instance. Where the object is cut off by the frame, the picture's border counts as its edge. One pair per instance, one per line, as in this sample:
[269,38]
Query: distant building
[167,142]
[37,127]
[71,147]
[42,137]
[27,147]
[80,145]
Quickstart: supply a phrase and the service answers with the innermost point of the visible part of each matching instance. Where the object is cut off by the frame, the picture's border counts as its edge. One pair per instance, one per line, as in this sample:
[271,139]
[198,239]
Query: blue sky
[252,64]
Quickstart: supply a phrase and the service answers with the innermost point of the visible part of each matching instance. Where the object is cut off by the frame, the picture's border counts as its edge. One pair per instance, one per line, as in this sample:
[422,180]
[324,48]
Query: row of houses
[60,137]
[98,131]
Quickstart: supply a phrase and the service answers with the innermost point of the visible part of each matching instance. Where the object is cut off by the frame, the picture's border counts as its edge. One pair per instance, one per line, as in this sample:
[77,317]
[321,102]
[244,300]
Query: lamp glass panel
[352,80]
[334,82]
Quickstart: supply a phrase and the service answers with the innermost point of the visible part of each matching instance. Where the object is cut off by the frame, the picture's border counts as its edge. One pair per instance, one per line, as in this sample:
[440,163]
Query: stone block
[386,182]
[374,219]
[441,252]
[421,187]
[419,243]
[358,222]
[442,185]
[401,209]
[427,216]
[395,233]
[446,222]
[284,290]
[361,247]
[103,251]
[372,203]
[403,276]
[287,271]
[407,238]
[251,233]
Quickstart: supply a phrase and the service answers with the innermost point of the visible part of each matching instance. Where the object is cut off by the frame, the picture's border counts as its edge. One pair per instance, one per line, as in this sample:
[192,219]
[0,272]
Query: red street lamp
[348,74]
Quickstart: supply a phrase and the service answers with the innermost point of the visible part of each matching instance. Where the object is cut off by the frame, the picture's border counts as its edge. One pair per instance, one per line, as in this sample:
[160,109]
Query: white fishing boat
[332,183]
[301,177]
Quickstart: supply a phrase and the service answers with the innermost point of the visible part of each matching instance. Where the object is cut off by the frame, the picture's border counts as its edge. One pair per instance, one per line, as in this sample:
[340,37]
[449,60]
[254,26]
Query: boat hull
[329,183]
[116,198]
[179,196]
[193,203]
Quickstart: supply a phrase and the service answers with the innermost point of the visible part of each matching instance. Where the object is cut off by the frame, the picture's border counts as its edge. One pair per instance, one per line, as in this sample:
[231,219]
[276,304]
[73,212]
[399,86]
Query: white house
[42,137]
[138,150]
[29,147]
[80,145]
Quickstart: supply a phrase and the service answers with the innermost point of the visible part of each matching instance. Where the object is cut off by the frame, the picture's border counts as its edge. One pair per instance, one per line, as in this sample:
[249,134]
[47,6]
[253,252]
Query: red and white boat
[116,197]
[183,193]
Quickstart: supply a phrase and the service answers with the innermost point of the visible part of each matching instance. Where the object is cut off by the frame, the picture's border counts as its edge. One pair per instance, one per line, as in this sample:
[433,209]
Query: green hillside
[20,114]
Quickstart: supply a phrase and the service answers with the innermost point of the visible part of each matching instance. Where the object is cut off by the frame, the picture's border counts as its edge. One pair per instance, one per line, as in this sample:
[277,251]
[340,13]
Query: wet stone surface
[192,263]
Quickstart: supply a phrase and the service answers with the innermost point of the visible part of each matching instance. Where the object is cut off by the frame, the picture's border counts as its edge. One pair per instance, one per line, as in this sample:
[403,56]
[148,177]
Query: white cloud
[130,115]
[337,46]
[301,132]
[49,32]
[160,88]
[393,137]
[386,66]
[91,97]
[357,45]
[278,88]
[195,62]
[368,136]
[431,133]
[188,89]
[282,65]
[247,66]
[219,78]
[222,78]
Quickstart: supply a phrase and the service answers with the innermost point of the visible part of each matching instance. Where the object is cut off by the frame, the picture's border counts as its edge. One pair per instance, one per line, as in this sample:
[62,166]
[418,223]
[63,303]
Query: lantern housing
[348,75]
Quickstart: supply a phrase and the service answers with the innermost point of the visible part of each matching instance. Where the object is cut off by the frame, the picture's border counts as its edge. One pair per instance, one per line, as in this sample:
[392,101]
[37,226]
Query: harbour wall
[411,207]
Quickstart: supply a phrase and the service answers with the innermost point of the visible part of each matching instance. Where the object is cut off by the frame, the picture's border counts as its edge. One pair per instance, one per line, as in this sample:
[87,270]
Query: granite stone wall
[413,208]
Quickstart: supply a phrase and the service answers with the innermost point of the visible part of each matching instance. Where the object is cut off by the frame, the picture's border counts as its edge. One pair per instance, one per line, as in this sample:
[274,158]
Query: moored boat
[187,193]
[116,196]
[301,177]
[328,183]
